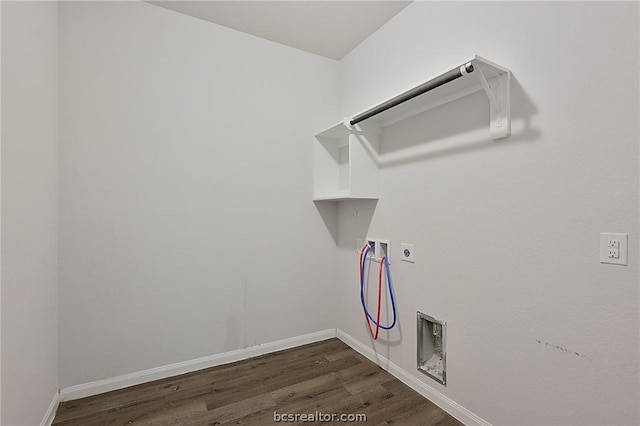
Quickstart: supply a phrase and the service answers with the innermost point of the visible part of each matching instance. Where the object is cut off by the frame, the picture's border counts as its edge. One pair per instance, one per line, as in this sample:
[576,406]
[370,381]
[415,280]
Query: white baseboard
[442,401]
[51,411]
[131,379]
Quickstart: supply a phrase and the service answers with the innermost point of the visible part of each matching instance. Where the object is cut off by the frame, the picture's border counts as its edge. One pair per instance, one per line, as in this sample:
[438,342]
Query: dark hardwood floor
[326,377]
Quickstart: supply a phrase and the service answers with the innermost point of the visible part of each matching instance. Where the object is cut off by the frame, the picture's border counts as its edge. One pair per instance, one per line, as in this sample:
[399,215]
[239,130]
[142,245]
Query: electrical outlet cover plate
[613,248]
[407,253]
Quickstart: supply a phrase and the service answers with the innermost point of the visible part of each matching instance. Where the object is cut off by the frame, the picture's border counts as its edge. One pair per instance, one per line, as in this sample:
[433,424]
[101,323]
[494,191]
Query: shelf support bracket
[498,91]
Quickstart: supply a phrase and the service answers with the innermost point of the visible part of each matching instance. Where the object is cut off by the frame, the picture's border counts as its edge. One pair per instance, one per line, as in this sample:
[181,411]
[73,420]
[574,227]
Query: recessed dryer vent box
[432,347]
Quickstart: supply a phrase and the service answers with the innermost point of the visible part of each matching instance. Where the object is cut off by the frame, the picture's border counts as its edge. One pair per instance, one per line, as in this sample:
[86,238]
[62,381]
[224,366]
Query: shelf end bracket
[498,91]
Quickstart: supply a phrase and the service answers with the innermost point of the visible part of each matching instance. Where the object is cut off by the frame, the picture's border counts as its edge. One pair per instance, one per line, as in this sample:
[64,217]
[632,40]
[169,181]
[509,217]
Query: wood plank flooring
[326,377]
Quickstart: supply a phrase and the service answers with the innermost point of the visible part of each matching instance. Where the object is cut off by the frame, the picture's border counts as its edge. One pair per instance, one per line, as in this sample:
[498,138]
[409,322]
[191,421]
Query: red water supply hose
[373,335]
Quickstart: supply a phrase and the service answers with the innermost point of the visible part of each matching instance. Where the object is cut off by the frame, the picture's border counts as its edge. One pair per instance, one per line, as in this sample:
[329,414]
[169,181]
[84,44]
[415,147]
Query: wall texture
[187,227]
[506,233]
[29,214]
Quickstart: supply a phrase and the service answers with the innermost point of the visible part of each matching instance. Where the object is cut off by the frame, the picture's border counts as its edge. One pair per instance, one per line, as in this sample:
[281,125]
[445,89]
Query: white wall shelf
[345,162]
[346,155]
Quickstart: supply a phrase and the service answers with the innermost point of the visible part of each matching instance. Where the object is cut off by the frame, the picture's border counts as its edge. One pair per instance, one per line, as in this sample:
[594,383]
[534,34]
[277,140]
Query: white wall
[0,212]
[187,227]
[29,210]
[506,233]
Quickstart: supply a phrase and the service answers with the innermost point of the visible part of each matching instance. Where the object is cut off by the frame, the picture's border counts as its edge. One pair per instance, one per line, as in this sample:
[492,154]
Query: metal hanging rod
[416,91]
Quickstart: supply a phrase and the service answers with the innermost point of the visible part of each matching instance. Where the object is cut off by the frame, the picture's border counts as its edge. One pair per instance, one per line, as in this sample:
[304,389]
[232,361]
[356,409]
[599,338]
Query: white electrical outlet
[407,253]
[613,248]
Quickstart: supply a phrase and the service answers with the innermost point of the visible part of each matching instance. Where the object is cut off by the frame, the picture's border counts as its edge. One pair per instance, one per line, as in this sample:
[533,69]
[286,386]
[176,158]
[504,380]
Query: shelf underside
[339,197]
